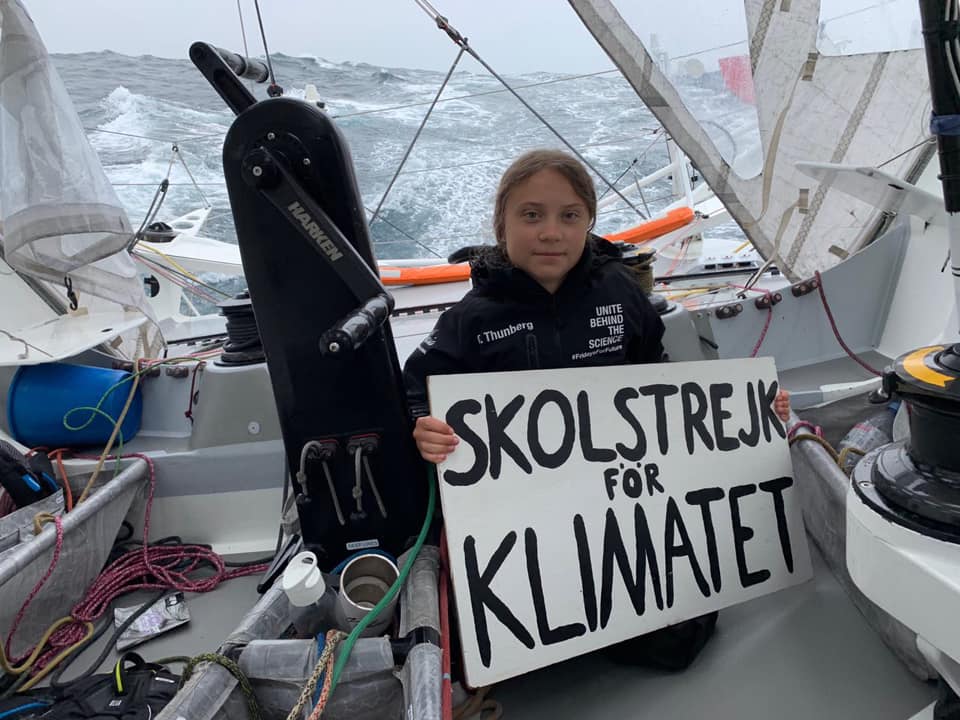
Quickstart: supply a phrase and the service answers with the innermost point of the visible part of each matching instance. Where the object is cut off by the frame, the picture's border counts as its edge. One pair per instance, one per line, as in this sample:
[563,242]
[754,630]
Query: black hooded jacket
[508,321]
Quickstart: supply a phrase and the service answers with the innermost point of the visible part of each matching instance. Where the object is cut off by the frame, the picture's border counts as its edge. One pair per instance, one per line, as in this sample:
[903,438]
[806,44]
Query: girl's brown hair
[530,164]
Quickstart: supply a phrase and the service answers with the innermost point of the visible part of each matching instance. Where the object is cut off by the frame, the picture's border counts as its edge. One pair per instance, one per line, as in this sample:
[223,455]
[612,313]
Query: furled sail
[60,216]
[864,109]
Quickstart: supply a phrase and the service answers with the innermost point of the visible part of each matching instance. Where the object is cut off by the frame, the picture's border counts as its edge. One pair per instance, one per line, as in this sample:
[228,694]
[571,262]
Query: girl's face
[545,227]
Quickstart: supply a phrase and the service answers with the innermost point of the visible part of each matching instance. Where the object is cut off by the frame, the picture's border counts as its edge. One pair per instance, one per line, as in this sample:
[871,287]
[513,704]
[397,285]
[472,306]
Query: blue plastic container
[41,395]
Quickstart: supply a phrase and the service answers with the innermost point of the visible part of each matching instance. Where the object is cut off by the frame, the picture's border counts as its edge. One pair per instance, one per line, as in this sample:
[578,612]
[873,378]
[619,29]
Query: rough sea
[135,109]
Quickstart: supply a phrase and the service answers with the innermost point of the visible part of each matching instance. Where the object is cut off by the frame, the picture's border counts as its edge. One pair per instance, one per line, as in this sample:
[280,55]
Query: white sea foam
[443,199]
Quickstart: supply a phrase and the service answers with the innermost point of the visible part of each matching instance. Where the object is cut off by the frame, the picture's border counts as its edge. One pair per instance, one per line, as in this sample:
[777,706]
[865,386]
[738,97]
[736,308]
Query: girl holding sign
[549,295]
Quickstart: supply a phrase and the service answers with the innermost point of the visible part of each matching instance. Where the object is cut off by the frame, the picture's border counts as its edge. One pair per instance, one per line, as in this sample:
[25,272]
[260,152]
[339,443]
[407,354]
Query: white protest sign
[586,506]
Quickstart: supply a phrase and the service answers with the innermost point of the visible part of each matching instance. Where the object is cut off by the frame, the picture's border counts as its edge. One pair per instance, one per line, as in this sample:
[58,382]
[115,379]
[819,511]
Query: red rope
[681,255]
[804,425]
[193,385]
[33,593]
[147,568]
[64,480]
[766,325]
[325,690]
[836,332]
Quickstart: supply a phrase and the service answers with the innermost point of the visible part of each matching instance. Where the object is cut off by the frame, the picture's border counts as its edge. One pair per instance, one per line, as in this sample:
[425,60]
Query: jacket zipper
[556,333]
[533,354]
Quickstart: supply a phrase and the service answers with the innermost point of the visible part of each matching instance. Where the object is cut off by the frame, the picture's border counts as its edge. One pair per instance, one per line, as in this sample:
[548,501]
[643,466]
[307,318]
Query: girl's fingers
[434,438]
[433,447]
[432,424]
[447,442]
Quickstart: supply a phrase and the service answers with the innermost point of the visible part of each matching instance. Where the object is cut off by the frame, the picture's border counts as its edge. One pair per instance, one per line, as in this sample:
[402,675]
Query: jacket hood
[493,274]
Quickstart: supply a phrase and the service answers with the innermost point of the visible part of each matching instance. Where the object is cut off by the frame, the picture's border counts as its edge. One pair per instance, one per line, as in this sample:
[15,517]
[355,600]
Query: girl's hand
[781,405]
[435,439]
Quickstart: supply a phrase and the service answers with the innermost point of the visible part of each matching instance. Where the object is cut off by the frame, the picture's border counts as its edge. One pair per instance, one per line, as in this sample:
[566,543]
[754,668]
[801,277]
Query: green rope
[394,589]
[231,667]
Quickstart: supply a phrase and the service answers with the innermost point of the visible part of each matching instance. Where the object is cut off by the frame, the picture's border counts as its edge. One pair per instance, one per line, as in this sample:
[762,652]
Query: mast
[941,39]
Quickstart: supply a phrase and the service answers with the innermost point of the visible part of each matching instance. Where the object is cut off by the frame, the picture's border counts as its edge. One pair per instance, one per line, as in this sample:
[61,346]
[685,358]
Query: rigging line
[188,289]
[243,35]
[643,199]
[217,216]
[925,141]
[636,160]
[263,36]
[243,32]
[191,138]
[458,39]
[855,12]
[183,162]
[612,211]
[165,141]
[177,269]
[435,168]
[416,135]
[476,94]
[706,50]
[442,238]
[152,211]
[505,158]
[627,139]
[158,197]
[620,177]
[170,276]
[206,136]
[151,184]
[173,154]
[124,134]
[455,166]
[405,234]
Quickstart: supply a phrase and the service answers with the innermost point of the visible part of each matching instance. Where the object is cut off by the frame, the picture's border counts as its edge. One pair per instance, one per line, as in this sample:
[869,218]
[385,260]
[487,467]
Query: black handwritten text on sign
[590,505]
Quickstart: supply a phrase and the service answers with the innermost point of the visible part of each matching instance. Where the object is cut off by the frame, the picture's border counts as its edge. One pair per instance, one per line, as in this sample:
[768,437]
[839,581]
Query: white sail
[858,110]
[60,215]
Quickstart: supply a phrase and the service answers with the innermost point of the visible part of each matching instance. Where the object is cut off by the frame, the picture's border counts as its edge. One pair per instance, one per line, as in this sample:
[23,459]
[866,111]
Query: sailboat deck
[804,652]
[213,616]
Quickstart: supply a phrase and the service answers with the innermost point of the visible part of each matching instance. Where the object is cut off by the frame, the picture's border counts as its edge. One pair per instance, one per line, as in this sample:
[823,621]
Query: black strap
[944,31]
[23,485]
[134,690]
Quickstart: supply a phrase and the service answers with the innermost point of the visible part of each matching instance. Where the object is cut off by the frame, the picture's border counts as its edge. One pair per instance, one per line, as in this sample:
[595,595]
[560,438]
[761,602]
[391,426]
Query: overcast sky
[514,36]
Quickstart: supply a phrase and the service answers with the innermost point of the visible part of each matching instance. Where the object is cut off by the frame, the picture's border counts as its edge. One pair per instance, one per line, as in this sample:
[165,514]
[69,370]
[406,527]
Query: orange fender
[428,275]
[676,218]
